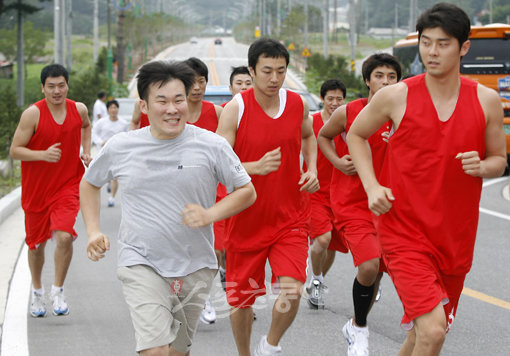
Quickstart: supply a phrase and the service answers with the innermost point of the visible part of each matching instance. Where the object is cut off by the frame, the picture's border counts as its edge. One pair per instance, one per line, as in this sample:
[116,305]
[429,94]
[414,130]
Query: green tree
[321,69]
[9,116]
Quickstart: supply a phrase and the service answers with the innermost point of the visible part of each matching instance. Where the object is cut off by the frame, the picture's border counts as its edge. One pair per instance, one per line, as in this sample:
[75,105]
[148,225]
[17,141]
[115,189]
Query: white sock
[55,289]
[268,347]
[39,291]
[222,270]
[319,277]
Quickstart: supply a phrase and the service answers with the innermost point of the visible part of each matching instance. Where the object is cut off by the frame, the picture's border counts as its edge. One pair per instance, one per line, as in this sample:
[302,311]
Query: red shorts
[219,232]
[219,226]
[321,221]
[59,216]
[361,238]
[421,286]
[246,270]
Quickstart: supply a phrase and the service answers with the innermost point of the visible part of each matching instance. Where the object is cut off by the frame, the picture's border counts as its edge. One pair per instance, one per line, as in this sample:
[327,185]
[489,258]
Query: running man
[322,232]
[448,135]
[268,127]
[205,114]
[166,258]
[240,80]
[104,130]
[354,220]
[47,142]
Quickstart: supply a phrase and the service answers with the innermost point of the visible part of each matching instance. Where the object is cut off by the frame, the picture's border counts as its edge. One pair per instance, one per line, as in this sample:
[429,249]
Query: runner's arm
[85,133]
[90,198]
[308,180]
[493,165]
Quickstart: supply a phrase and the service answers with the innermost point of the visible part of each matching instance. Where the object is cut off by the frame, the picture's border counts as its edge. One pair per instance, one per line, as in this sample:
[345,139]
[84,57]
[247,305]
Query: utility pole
[20,60]
[278,17]
[335,21]
[352,32]
[326,28]
[490,11]
[96,30]
[109,56]
[306,23]
[57,32]
[412,16]
[69,33]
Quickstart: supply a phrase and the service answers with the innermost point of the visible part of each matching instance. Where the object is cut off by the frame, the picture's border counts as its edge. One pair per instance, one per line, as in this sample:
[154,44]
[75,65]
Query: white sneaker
[111,202]
[264,349]
[37,305]
[208,315]
[357,338]
[60,306]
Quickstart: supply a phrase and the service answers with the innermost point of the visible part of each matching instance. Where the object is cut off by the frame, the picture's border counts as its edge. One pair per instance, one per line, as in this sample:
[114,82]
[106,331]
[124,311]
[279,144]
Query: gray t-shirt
[158,178]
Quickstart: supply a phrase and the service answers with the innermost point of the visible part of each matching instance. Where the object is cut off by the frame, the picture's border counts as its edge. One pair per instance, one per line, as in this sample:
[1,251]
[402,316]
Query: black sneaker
[223,279]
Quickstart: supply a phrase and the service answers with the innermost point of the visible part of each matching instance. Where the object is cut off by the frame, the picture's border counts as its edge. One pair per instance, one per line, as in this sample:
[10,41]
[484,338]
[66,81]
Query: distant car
[126,108]
[217,94]
[314,103]
[193,40]
[218,41]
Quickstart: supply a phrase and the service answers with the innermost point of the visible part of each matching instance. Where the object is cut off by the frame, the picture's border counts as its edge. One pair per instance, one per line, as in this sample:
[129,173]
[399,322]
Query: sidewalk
[12,235]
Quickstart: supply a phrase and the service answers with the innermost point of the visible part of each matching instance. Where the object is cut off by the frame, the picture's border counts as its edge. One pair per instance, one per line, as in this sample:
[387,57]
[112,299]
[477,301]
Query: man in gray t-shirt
[169,172]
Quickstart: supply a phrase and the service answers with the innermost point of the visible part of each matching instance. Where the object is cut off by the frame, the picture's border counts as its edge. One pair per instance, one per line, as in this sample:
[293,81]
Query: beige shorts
[164,311]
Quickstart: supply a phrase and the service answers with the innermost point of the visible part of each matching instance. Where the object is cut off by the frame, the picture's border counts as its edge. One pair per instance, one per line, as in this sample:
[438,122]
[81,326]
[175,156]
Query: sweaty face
[240,83]
[332,100]
[55,90]
[196,93]
[269,75]
[167,109]
[380,77]
[441,52]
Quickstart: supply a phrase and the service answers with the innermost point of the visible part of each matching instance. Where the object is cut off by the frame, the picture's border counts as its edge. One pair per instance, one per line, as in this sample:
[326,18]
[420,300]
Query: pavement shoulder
[12,236]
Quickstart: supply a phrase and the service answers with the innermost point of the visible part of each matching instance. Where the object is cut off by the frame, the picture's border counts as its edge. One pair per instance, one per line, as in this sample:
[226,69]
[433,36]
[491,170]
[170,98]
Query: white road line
[494,181]
[495,213]
[14,335]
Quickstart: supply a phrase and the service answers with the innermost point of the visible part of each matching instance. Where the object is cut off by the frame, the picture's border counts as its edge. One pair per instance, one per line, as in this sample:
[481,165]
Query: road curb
[9,203]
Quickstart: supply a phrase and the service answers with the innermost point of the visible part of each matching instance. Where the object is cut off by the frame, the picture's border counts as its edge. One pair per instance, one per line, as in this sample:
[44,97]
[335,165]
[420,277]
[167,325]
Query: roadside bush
[9,117]
[320,69]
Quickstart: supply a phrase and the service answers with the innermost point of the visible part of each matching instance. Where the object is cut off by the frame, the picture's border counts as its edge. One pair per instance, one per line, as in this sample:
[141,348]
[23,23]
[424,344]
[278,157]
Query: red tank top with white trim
[279,205]
[436,204]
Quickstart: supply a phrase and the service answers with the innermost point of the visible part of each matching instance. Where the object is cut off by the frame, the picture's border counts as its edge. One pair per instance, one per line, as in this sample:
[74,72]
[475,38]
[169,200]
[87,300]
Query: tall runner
[354,220]
[448,135]
[326,239]
[47,141]
[268,127]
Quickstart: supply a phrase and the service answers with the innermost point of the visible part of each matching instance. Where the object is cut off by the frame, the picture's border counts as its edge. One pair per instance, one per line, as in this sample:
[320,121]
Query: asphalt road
[99,322]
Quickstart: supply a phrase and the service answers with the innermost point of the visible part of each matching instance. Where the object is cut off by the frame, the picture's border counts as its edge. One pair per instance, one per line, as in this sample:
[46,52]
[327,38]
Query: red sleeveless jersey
[436,204]
[44,182]
[349,200]
[208,119]
[279,203]
[144,120]
[324,166]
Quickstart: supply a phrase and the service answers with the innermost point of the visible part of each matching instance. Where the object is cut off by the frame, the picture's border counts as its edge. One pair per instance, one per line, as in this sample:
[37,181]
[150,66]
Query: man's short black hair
[112,102]
[53,71]
[237,71]
[161,72]
[198,67]
[450,18]
[380,60]
[101,94]
[332,84]
[266,47]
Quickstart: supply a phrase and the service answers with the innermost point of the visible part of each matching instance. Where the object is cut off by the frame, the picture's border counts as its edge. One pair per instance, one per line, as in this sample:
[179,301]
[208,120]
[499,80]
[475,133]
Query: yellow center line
[212,67]
[486,298]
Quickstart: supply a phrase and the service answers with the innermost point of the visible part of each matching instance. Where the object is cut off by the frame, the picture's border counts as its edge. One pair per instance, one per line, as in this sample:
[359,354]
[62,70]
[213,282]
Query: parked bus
[487,62]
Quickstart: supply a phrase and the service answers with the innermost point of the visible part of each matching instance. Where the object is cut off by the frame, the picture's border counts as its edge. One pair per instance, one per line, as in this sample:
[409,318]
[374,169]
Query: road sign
[305,53]
[291,47]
